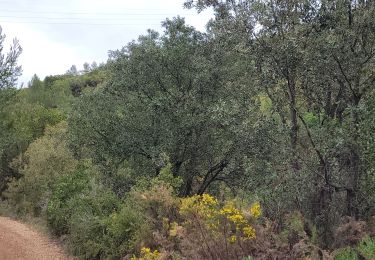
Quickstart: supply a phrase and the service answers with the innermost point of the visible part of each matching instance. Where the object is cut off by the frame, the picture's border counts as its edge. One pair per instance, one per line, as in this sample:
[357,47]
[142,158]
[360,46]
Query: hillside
[252,140]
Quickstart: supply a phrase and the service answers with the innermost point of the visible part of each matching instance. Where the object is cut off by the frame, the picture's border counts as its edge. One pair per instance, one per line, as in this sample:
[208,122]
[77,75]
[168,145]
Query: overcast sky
[56,34]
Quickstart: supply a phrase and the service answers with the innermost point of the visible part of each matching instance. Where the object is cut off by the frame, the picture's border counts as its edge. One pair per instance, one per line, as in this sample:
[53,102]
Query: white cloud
[41,55]
[56,34]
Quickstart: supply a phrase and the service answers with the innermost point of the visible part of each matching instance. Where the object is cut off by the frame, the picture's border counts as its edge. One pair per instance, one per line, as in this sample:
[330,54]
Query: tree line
[274,103]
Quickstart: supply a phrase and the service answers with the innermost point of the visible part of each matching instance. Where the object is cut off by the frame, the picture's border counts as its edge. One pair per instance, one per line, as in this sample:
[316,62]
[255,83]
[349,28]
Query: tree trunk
[294,123]
[355,163]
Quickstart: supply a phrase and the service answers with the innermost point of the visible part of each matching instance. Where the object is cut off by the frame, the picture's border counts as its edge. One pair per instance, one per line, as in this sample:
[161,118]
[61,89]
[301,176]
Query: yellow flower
[145,250]
[189,205]
[229,209]
[146,254]
[206,210]
[203,205]
[255,210]
[233,214]
[174,229]
[237,218]
[249,232]
[207,199]
[232,239]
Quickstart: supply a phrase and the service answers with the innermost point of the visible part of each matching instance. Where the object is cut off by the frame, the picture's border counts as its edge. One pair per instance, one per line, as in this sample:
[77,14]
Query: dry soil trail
[17,241]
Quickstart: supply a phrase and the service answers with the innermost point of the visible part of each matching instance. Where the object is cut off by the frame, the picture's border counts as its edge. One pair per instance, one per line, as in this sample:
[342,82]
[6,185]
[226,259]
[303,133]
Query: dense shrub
[364,250]
[217,231]
[45,160]
[94,221]
[60,206]
[98,236]
[196,227]
[346,254]
[125,228]
[78,209]
[367,248]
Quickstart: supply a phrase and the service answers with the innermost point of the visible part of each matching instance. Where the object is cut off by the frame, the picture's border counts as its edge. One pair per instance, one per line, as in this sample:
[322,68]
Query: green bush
[78,193]
[124,229]
[92,217]
[60,209]
[44,162]
[97,233]
[346,254]
[367,248]
[86,237]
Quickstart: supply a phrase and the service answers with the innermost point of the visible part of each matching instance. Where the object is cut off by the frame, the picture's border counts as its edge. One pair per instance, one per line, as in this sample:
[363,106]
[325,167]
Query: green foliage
[265,104]
[51,93]
[87,222]
[367,248]
[124,229]
[7,95]
[166,97]
[295,222]
[80,208]
[92,218]
[364,250]
[21,123]
[311,119]
[122,179]
[87,82]
[40,166]
[294,227]
[275,102]
[164,178]
[60,209]
[346,254]
[25,114]
[367,144]
[9,70]
[28,121]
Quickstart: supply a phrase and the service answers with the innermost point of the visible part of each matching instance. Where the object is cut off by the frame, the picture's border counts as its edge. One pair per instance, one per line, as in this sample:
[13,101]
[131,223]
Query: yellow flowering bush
[255,210]
[249,232]
[227,220]
[203,205]
[200,226]
[233,214]
[237,219]
[232,239]
[200,207]
[147,254]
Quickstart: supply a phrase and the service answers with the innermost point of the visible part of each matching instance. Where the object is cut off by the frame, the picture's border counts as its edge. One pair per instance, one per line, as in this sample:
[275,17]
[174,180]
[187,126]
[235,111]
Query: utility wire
[81,20]
[67,23]
[129,12]
[76,18]
[113,18]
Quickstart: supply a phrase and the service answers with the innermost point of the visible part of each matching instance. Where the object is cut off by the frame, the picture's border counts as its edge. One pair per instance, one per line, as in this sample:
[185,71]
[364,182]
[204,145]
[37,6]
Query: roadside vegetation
[253,140]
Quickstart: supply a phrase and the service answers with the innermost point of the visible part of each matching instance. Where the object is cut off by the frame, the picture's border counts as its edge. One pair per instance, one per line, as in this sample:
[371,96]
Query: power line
[78,21]
[81,20]
[76,18]
[66,23]
[129,12]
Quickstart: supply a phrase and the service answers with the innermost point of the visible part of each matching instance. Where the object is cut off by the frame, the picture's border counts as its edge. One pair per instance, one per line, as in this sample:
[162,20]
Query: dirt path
[17,241]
